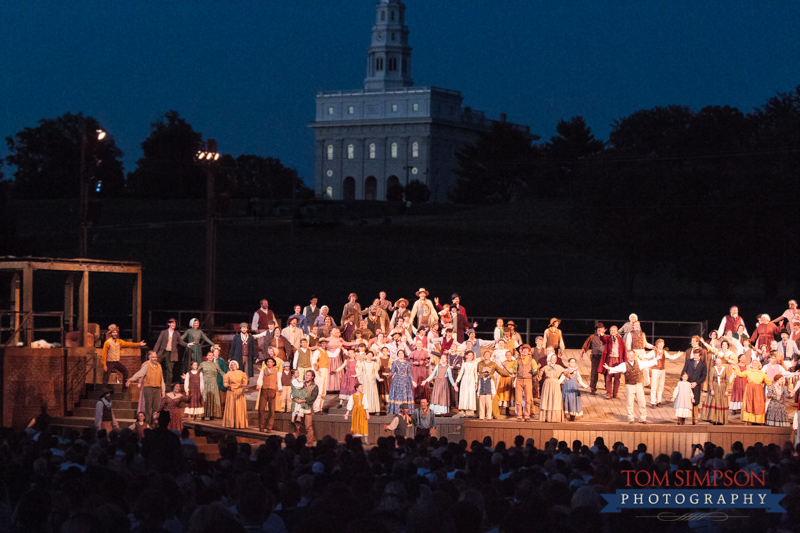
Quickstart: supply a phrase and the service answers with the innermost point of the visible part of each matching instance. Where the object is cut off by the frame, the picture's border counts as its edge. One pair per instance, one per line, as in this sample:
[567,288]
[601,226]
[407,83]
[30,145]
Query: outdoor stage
[601,418]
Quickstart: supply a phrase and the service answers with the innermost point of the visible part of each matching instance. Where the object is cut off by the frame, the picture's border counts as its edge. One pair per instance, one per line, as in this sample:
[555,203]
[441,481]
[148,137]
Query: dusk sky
[246,72]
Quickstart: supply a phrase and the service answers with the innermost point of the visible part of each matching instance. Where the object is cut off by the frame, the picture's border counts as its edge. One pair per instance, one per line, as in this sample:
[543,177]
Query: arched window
[372,150]
[329,192]
[394,192]
[391,16]
[330,152]
[379,64]
[351,151]
[349,188]
[371,188]
[392,63]
[394,150]
[415,149]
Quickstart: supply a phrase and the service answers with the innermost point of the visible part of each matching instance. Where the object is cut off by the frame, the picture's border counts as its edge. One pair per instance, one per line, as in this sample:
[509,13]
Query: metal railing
[17,323]
[221,320]
[676,334]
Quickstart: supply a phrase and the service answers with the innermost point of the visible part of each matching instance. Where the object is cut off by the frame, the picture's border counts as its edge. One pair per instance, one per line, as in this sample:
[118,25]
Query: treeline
[50,160]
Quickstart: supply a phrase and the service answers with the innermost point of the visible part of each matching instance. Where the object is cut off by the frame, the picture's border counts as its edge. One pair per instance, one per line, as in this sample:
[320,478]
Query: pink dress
[334,361]
[349,380]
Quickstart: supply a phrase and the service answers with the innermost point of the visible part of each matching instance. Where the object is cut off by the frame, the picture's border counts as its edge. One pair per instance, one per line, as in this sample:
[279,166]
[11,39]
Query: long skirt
[211,403]
[737,393]
[551,405]
[753,408]
[440,398]
[359,426]
[715,408]
[504,390]
[573,404]
[402,392]
[334,378]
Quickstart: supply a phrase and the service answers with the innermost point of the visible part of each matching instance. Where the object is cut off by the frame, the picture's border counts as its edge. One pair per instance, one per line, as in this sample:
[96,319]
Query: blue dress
[401,391]
[572,396]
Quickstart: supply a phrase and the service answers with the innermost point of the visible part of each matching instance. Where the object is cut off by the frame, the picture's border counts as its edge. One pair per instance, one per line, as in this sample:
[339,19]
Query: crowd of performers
[393,354]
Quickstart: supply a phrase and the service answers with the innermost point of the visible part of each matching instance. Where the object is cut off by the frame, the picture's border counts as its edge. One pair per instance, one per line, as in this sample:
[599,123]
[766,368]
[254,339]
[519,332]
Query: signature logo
[689,517]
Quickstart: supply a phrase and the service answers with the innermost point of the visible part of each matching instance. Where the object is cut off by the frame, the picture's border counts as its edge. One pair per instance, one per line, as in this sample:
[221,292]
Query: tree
[47,159]
[263,177]
[496,168]
[570,157]
[168,167]
[416,191]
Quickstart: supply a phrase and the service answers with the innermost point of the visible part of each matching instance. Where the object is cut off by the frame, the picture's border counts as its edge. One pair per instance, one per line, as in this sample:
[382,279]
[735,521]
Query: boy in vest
[401,424]
[486,391]
[285,403]
[634,388]
[302,357]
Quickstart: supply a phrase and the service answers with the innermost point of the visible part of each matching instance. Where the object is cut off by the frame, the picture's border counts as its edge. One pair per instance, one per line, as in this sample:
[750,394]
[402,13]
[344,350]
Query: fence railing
[211,323]
[16,324]
[676,334]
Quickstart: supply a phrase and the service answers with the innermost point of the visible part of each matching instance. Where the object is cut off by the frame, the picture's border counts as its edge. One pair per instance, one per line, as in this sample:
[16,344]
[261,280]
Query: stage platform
[601,417]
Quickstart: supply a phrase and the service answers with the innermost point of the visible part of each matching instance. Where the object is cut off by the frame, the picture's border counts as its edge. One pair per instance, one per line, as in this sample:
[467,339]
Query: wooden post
[83,306]
[15,307]
[69,303]
[136,312]
[27,302]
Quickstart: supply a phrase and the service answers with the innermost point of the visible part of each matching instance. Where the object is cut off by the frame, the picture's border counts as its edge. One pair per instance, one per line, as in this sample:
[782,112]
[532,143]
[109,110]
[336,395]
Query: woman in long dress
[368,373]
[385,385]
[194,384]
[210,369]
[467,380]
[402,391]
[194,347]
[440,398]
[358,405]
[335,360]
[777,393]
[551,407]
[738,387]
[505,384]
[570,390]
[348,386]
[235,405]
[683,398]
[716,406]
[173,402]
[223,366]
[753,408]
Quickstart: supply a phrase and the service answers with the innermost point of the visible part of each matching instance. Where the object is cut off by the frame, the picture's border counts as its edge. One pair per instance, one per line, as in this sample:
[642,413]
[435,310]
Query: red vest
[264,318]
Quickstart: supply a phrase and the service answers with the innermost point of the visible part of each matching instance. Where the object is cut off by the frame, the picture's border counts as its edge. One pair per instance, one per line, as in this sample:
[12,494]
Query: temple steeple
[389,56]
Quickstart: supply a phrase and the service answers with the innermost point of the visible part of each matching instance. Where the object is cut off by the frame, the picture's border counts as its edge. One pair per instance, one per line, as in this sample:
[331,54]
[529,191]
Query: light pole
[83,215]
[208,156]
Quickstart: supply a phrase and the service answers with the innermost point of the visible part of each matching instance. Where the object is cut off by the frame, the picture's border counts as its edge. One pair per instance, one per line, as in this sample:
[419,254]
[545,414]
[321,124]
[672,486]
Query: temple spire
[389,56]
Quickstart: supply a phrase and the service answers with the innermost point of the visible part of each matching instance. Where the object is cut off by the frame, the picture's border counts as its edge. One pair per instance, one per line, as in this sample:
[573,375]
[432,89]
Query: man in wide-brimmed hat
[400,311]
[594,345]
[352,309]
[423,302]
[553,338]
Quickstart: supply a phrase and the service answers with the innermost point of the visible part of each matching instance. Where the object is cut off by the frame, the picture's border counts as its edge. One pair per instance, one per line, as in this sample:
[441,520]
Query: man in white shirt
[634,390]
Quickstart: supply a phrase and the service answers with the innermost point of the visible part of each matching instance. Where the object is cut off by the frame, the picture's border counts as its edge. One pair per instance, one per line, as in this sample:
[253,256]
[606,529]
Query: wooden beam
[69,304]
[15,306]
[136,312]
[83,306]
[71,266]
[27,303]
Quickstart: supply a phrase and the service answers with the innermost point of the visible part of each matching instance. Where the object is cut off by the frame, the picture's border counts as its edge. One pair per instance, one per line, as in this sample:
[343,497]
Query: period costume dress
[738,387]
[368,376]
[551,405]
[776,410]
[194,385]
[683,396]
[716,407]
[349,379]
[195,351]
[505,384]
[175,407]
[467,380]
[212,407]
[385,386]
[335,360]
[753,408]
[570,390]
[235,404]
[440,398]
[358,405]
[402,391]
[419,372]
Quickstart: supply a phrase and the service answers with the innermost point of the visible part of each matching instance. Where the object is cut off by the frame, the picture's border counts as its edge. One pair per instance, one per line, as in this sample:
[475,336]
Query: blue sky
[246,72]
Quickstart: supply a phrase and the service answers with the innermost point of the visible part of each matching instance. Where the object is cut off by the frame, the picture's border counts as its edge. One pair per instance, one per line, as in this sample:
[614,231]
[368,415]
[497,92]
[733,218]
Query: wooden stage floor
[601,417]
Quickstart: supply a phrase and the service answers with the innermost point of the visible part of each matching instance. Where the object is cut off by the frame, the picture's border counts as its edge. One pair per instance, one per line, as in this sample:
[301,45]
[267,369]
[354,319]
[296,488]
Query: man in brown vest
[526,369]
[154,389]
[634,390]
[269,385]
[636,341]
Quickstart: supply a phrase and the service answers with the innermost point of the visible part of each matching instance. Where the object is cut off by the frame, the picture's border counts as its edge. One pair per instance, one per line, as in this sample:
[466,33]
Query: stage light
[101,135]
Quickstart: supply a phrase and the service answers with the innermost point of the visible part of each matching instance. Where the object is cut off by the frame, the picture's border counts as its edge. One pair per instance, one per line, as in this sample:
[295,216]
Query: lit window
[415,106]
[394,108]
[330,152]
[351,151]
[372,150]
[351,110]
[415,149]
[330,110]
[329,192]
[394,150]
